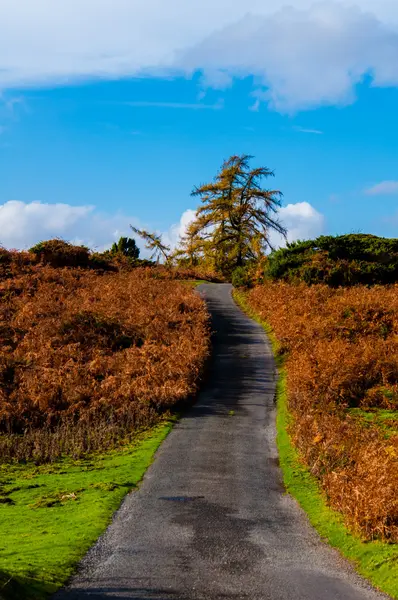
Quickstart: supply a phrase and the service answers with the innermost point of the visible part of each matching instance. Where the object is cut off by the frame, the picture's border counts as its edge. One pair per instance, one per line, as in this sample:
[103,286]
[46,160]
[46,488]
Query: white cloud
[383,188]
[302,222]
[256,106]
[196,106]
[305,130]
[217,79]
[177,231]
[301,57]
[10,108]
[304,58]
[24,224]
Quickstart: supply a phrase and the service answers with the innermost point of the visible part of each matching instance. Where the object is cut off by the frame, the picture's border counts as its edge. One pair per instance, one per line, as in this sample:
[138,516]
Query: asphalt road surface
[211,519]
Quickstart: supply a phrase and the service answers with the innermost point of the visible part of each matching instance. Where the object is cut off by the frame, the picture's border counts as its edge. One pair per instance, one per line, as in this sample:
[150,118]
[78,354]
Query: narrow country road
[211,519]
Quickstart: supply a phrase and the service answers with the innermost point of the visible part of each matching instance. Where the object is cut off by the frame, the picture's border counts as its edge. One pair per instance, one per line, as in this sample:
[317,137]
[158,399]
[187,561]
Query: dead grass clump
[341,348]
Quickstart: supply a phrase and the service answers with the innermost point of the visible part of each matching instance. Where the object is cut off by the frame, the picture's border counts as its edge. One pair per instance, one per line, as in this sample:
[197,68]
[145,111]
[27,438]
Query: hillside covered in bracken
[89,354]
[340,350]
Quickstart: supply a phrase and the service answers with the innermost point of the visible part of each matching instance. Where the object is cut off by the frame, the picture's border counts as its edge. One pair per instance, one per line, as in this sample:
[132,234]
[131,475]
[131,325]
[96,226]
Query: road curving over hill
[211,520]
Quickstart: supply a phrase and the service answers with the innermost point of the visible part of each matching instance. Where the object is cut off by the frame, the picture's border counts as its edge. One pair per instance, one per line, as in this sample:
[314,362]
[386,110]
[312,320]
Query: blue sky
[89,144]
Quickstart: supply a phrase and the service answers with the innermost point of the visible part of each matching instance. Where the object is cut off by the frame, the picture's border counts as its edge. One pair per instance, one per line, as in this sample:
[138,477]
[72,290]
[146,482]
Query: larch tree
[189,250]
[236,215]
[154,243]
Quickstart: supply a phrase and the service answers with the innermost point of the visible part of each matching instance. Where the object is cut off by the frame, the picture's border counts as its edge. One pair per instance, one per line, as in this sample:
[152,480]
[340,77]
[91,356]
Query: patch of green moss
[385,420]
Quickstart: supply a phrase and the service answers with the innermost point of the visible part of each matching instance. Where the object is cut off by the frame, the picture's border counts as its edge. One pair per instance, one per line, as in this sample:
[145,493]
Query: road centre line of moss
[52,514]
[375,560]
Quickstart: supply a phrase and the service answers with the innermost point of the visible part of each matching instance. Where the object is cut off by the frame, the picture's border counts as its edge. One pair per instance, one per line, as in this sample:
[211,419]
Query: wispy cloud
[12,106]
[179,105]
[305,130]
[256,106]
[11,103]
[11,109]
[384,188]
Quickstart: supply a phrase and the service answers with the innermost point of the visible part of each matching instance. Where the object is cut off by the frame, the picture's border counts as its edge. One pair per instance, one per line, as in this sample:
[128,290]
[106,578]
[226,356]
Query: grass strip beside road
[376,561]
[192,282]
[50,515]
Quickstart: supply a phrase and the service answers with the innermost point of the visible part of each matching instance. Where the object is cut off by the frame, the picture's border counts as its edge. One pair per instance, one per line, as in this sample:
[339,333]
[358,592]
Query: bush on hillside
[251,274]
[126,247]
[242,277]
[101,261]
[337,261]
[59,253]
[127,263]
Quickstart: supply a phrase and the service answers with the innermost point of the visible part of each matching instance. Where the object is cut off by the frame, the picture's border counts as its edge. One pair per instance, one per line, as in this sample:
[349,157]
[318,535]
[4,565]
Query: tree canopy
[127,247]
[233,222]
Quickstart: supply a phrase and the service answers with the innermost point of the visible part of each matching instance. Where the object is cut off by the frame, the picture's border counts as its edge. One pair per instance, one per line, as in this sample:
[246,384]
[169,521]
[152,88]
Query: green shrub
[242,277]
[59,253]
[126,247]
[337,261]
[101,261]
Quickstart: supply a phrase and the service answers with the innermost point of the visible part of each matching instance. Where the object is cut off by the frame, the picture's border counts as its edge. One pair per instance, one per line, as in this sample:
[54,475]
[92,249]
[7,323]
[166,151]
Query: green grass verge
[193,282]
[376,561]
[50,515]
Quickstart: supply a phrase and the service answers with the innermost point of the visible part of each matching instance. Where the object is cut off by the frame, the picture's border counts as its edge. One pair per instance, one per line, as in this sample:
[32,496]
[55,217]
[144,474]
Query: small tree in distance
[127,247]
